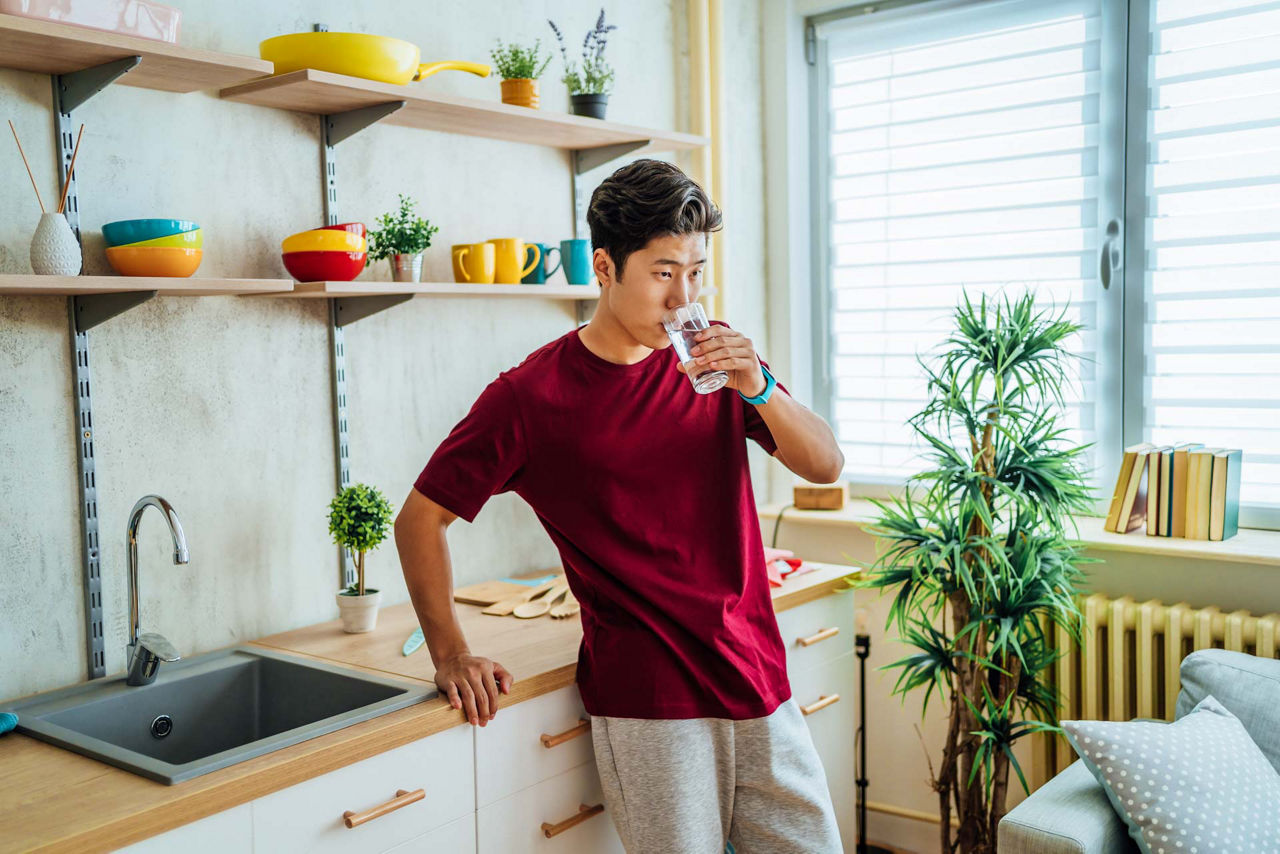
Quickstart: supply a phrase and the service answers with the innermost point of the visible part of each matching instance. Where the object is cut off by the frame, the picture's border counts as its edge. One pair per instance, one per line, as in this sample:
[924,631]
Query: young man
[643,485]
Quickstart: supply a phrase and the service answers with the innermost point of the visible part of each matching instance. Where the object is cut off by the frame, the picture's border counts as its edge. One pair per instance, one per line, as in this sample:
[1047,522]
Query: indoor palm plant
[979,554]
[402,237]
[520,68]
[588,86]
[358,520]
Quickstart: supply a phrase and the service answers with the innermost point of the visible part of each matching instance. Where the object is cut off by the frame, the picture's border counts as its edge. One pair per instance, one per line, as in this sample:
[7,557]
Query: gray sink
[210,711]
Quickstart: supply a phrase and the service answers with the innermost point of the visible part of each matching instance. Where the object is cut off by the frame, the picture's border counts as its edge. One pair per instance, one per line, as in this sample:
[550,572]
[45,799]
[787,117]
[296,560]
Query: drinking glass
[683,323]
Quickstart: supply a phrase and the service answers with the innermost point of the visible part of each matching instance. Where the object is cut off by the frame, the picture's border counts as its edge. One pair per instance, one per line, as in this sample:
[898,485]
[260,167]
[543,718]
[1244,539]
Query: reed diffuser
[55,251]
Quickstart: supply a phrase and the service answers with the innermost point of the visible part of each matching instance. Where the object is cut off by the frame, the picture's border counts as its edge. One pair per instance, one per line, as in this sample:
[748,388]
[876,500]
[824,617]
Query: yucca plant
[979,554]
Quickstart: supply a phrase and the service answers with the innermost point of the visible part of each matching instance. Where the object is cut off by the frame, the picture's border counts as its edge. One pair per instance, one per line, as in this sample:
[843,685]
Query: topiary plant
[358,520]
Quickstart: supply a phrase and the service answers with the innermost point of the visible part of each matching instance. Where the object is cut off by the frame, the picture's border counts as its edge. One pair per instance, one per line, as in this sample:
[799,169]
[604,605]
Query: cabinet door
[832,726]
[456,837]
[817,631]
[308,817]
[520,823]
[226,832]
[512,752]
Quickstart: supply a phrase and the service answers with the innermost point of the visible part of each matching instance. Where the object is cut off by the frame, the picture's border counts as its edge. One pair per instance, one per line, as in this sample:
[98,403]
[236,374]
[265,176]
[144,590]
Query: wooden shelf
[32,285]
[326,290]
[322,93]
[28,44]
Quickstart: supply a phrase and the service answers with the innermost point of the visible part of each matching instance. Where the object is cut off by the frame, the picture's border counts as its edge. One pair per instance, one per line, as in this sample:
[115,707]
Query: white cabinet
[530,742]
[227,831]
[832,723]
[456,837]
[309,817]
[817,631]
[562,815]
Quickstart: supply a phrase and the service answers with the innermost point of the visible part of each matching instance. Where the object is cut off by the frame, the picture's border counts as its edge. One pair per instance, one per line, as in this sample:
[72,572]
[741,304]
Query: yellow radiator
[1128,665]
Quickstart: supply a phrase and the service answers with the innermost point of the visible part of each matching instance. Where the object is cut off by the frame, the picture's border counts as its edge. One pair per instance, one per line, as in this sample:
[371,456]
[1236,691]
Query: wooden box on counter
[829,497]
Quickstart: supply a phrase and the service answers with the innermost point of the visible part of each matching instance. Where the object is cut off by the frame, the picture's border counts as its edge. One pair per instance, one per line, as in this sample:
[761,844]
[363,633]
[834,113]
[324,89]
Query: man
[644,487]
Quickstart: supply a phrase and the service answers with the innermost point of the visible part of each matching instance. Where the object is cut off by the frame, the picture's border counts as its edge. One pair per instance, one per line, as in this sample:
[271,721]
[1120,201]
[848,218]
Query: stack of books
[1184,490]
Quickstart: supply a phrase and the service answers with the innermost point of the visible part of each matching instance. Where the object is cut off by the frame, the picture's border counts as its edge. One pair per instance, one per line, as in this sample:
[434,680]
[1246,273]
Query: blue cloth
[8,720]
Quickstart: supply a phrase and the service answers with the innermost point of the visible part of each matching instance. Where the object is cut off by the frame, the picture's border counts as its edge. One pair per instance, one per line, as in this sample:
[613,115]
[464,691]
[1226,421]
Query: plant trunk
[360,573]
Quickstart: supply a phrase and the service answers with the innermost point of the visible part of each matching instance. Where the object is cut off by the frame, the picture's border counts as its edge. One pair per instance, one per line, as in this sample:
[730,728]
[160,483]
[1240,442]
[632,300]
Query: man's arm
[806,445]
[471,683]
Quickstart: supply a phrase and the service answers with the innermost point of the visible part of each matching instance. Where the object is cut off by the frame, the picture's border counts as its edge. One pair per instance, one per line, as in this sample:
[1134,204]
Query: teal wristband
[762,397]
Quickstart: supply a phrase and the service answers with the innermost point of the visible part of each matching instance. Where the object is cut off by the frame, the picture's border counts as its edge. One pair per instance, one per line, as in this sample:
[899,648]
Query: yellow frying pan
[358,55]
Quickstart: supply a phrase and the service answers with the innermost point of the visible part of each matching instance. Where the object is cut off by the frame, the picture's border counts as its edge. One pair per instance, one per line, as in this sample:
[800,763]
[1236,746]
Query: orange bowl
[167,261]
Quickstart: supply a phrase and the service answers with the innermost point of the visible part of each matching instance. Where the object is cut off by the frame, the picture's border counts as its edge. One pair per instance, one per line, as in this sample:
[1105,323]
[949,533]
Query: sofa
[1071,813]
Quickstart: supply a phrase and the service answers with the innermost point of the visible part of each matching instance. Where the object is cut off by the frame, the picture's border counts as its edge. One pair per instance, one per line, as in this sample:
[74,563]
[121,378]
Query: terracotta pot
[521,91]
[359,613]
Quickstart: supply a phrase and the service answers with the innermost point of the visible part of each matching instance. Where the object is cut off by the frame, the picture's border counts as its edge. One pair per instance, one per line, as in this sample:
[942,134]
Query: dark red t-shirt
[644,487]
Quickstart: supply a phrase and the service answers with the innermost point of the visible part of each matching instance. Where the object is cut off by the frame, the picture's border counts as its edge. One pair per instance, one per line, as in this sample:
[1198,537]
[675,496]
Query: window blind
[1211,333]
[963,151]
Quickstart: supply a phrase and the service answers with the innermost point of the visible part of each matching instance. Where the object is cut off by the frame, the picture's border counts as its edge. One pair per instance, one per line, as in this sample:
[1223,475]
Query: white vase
[359,613]
[54,248]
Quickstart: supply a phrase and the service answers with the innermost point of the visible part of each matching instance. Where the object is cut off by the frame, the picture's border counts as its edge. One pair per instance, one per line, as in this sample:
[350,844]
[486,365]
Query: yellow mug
[510,255]
[473,263]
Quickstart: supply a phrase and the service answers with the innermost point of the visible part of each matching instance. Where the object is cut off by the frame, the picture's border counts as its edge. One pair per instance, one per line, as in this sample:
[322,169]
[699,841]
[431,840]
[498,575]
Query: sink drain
[161,726]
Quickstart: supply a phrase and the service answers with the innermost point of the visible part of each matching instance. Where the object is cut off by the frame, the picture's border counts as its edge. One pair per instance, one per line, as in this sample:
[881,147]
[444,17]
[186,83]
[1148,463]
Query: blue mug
[575,255]
[539,274]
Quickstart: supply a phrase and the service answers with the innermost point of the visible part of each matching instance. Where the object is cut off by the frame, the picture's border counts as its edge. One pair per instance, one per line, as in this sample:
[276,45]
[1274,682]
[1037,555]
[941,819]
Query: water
[705,380]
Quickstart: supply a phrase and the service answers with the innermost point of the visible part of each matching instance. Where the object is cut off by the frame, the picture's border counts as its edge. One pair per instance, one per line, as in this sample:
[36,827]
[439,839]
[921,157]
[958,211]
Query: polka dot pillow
[1194,786]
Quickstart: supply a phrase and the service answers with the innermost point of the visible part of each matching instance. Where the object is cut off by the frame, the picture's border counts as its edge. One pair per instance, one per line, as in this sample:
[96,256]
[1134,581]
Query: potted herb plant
[590,85]
[358,520]
[401,236]
[520,68]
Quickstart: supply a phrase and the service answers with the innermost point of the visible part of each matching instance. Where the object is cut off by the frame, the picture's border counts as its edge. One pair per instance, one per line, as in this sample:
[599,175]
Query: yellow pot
[193,239]
[357,55]
[324,240]
[520,91]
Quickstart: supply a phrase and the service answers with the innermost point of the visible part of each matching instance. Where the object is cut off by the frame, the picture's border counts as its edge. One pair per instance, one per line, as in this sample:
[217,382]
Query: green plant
[596,75]
[515,62]
[984,543]
[358,519]
[400,233]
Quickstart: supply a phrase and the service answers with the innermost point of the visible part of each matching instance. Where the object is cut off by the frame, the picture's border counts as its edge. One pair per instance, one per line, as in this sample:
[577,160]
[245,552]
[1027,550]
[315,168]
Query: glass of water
[683,323]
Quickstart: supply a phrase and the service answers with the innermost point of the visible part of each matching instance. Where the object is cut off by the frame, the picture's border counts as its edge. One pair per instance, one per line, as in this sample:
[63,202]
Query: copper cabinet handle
[402,799]
[820,636]
[584,812]
[821,703]
[584,725]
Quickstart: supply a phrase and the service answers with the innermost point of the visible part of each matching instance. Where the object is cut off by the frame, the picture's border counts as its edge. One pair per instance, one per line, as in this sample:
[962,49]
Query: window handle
[1109,263]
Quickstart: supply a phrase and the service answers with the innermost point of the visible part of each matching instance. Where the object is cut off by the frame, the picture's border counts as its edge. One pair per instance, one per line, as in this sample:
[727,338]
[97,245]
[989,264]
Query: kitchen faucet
[145,652]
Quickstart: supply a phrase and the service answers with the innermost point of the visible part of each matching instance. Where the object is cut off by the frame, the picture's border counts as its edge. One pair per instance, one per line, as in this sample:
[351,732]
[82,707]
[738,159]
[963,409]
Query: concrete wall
[222,404]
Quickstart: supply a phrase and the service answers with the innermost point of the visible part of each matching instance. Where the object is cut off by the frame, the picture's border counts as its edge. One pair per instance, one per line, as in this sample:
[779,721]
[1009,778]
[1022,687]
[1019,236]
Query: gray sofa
[1071,813]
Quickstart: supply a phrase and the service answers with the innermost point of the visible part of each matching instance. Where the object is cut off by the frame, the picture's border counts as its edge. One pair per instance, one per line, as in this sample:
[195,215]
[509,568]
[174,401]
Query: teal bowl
[135,230]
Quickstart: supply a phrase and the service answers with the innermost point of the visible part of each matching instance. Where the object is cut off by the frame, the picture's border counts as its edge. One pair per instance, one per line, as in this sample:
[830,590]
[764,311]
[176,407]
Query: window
[988,147]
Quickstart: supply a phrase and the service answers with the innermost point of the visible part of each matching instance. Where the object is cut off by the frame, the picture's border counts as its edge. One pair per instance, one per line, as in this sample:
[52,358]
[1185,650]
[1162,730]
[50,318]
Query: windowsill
[1250,545]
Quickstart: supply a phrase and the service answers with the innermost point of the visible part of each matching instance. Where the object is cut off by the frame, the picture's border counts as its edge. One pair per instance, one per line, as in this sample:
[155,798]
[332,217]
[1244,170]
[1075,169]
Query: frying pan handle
[426,69]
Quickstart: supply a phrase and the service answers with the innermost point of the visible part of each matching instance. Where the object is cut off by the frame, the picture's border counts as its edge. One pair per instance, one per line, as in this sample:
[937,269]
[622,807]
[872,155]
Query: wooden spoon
[506,606]
[541,605]
[567,608]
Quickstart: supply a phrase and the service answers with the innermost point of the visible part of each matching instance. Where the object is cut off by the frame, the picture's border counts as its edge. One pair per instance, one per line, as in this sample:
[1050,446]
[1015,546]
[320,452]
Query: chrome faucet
[145,652]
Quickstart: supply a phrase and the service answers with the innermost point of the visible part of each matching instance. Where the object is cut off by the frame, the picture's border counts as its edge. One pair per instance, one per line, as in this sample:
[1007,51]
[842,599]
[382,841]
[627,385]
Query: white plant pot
[359,613]
[54,248]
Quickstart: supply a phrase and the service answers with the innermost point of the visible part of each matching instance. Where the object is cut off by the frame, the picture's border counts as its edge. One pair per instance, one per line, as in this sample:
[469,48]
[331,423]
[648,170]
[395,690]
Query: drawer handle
[584,725]
[584,812]
[402,799]
[820,636]
[821,703]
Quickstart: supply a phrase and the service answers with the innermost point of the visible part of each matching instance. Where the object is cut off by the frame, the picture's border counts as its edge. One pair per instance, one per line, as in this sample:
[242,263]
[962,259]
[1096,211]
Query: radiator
[1128,665]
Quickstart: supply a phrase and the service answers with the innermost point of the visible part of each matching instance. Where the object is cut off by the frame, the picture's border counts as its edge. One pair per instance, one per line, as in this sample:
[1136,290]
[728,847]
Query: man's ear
[603,267]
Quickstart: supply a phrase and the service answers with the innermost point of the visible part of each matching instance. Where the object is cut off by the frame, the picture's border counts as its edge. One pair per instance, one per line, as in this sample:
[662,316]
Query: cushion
[1248,686]
[1193,786]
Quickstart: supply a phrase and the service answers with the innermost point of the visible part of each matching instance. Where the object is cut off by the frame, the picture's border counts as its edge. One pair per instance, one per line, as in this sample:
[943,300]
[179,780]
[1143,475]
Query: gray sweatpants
[686,786]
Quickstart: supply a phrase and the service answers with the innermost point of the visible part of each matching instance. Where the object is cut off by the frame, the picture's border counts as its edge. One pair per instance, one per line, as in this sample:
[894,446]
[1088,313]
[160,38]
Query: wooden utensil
[567,608]
[487,592]
[541,605]
[506,606]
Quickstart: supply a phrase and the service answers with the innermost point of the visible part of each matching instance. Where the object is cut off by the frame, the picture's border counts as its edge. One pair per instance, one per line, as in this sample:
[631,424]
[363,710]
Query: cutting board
[496,590]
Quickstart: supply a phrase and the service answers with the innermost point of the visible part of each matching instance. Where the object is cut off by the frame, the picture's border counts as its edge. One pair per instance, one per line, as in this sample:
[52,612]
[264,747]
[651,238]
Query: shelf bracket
[88,310]
[342,126]
[586,159]
[348,310]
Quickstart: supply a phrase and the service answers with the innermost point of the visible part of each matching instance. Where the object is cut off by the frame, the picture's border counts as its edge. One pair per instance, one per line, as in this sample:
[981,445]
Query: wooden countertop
[55,800]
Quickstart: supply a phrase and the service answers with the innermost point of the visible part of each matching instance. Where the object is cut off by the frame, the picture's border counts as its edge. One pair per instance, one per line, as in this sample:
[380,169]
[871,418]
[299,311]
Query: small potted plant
[358,520]
[520,68]
[401,236]
[589,86]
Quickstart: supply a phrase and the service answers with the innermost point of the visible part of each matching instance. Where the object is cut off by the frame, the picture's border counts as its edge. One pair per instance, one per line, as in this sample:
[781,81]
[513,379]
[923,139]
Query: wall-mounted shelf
[325,290]
[27,44]
[322,93]
[163,286]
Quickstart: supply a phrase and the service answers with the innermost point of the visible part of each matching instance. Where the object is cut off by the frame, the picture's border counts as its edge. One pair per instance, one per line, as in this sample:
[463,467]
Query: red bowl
[353,227]
[324,266]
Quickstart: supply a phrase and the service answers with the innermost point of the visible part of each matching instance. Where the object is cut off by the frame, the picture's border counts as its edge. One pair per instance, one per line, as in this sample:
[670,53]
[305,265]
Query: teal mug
[539,274]
[575,255]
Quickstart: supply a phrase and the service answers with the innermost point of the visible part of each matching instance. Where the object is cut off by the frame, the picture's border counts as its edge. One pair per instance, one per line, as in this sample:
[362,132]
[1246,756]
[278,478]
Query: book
[1133,510]
[1178,504]
[1166,491]
[1224,512]
[1199,485]
[1122,485]
[1157,505]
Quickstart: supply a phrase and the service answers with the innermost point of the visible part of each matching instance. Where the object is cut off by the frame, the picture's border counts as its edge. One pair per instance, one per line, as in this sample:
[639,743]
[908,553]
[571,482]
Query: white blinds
[963,157]
[1212,278]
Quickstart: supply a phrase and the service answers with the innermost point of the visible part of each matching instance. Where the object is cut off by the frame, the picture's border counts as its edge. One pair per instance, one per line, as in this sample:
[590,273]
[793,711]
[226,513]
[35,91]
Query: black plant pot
[592,106]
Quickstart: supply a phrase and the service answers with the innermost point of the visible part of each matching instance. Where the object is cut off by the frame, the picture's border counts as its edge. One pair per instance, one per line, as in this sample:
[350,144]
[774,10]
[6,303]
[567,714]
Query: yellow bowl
[193,239]
[168,261]
[324,240]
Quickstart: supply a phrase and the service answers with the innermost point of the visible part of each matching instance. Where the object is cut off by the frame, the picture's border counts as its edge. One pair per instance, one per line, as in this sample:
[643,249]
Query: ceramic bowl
[127,231]
[168,261]
[324,266]
[323,240]
[193,239]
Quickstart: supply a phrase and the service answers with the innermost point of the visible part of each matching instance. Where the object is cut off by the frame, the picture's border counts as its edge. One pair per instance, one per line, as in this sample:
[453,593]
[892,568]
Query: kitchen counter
[55,800]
